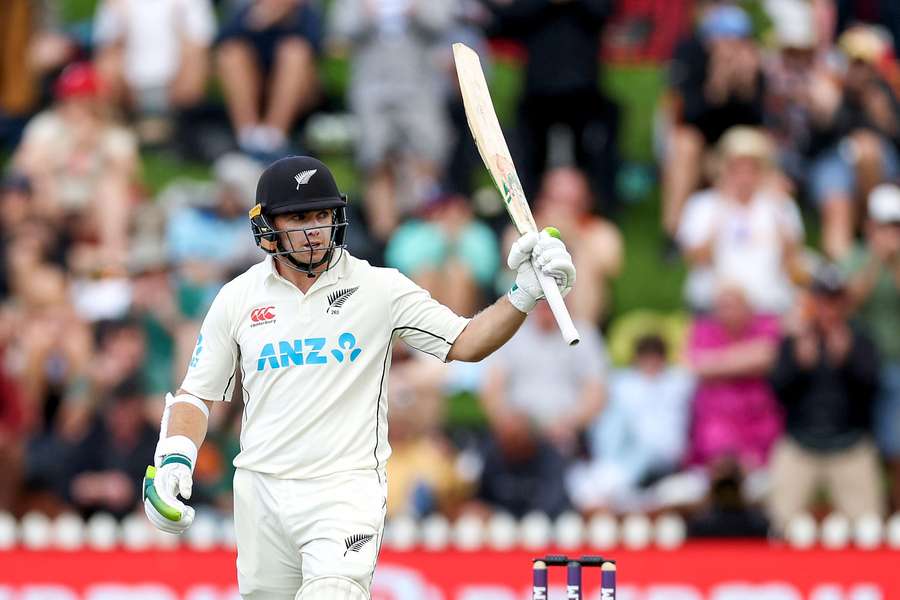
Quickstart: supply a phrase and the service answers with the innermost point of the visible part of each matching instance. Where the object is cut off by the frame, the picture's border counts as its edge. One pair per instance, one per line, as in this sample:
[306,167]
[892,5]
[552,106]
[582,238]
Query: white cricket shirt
[314,366]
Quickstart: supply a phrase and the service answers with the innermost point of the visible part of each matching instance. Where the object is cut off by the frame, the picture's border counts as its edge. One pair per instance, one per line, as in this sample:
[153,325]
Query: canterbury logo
[303,177]
[338,298]
[265,313]
[355,542]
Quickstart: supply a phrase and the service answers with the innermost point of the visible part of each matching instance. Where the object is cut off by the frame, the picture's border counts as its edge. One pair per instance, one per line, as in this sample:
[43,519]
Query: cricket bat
[495,154]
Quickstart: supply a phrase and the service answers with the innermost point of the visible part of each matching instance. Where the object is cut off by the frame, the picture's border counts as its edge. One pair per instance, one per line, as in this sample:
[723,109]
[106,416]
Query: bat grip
[558,307]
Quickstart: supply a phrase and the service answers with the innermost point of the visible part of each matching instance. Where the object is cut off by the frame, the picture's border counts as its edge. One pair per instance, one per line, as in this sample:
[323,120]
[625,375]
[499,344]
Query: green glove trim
[152,495]
[176,458]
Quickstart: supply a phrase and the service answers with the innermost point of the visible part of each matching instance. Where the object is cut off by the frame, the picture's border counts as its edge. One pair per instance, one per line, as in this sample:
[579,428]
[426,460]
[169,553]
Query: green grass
[77,10]
[505,83]
[636,89]
[158,170]
[646,281]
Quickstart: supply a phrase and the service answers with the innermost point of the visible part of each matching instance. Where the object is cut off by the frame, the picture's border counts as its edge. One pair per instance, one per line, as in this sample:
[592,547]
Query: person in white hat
[875,292]
[743,229]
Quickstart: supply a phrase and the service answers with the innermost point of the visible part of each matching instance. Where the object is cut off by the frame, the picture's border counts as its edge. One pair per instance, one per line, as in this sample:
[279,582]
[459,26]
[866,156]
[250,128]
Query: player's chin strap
[306,268]
[332,587]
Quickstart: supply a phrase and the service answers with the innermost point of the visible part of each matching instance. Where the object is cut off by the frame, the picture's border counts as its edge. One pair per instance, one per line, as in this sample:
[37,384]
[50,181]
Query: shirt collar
[337,271]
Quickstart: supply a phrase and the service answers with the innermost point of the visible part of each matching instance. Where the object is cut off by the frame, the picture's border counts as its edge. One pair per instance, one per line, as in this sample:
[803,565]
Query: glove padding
[162,486]
[539,251]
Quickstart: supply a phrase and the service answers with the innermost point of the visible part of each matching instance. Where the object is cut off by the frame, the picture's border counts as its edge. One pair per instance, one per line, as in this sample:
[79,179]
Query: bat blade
[489,137]
[496,157]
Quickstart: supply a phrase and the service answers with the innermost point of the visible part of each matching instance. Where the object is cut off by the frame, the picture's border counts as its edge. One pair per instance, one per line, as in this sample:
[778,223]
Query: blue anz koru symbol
[347,341]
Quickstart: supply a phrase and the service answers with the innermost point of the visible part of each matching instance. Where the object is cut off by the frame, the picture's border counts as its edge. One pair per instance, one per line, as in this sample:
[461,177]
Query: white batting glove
[163,484]
[544,251]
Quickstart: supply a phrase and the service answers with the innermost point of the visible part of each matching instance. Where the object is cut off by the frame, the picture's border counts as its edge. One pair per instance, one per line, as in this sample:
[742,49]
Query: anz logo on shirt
[307,351]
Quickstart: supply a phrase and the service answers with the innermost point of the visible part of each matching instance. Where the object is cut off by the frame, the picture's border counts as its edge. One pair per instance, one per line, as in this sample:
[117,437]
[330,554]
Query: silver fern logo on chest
[354,543]
[338,298]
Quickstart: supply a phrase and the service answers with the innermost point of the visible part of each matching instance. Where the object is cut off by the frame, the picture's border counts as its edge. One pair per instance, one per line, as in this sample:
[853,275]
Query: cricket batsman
[310,328]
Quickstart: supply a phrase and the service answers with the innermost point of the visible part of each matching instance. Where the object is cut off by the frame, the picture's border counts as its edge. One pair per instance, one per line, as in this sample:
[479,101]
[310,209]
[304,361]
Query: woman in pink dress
[735,413]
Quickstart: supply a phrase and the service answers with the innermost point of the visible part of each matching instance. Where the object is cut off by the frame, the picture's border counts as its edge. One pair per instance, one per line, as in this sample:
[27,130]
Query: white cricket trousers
[290,530]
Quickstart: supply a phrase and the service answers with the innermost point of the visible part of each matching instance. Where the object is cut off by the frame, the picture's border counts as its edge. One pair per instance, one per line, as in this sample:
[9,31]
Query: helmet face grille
[270,240]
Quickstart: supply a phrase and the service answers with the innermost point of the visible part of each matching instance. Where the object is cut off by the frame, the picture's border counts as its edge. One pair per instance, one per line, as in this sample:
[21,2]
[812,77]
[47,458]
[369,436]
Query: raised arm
[493,327]
[487,331]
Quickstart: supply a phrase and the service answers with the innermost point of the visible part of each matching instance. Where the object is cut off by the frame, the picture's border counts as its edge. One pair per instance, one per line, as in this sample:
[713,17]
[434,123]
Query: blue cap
[726,22]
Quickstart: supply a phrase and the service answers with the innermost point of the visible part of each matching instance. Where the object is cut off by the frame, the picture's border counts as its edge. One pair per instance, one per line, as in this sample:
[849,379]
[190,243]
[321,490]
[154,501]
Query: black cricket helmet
[297,184]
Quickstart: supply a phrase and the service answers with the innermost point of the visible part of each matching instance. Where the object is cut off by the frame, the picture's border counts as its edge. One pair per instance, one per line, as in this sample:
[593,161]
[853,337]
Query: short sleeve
[696,223]
[791,219]
[199,22]
[420,320]
[210,373]
[45,128]
[108,25]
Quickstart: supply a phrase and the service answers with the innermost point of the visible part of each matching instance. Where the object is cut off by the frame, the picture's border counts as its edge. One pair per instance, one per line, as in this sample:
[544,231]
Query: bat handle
[558,307]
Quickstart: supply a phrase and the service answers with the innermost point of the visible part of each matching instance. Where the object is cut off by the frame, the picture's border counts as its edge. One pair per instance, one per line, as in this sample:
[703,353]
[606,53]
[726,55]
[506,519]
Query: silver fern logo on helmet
[303,177]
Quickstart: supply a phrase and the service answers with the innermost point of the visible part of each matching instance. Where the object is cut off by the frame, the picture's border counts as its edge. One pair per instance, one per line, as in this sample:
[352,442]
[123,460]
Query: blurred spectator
[266,62]
[206,231]
[538,416]
[875,294]
[31,47]
[826,377]
[12,421]
[735,414]
[48,354]
[153,57]
[66,380]
[105,470]
[53,344]
[82,165]
[448,252]
[726,511]
[29,236]
[744,230]
[154,304]
[522,472]
[562,398]
[882,12]
[120,351]
[793,73]
[716,82]
[422,469]
[562,88]
[99,290]
[595,243]
[628,448]
[856,132]
[395,92]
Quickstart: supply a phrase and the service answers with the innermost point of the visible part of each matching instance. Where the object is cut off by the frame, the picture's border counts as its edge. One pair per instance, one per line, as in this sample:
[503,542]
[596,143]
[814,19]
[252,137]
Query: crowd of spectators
[780,119]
